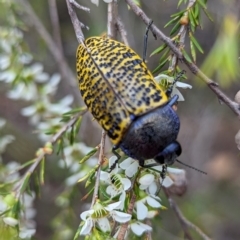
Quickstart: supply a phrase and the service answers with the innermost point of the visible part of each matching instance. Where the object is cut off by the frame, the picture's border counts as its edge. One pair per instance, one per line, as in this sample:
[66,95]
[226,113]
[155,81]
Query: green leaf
[186,56]
[208,15]
[25,182]
[160,66]
[193,51]
[196,44]
[175,28]
[174,20]
[42,171]
[159,49]
[203,5]
[90,154]
[179,13]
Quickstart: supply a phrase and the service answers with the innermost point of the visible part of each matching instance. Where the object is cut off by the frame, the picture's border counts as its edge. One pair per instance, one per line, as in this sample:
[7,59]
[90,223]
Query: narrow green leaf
[179,13]
[196,10]
[192,19]
[90,179]
[179,3]
[203,5]
[25,182]
[195,42]
[73,111]
[71,136]
[193,51]
[42,171]
[160,66]
[186,55]
[16,209]
[208,15]
[175,28]
[78,125]
[164,56]
[159,49]
[90,154]
[173,21]
[87,175]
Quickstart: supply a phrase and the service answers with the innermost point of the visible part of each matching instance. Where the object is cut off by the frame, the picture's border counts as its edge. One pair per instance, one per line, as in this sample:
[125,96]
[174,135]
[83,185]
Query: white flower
[178,84]
[117,183]
[10,221]
[130,166]
[26,233]
[141,208]
[100,214]
[139,228]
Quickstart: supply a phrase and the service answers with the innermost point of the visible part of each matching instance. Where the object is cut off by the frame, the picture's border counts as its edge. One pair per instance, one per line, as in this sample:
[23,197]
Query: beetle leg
[146,39]
[118,157]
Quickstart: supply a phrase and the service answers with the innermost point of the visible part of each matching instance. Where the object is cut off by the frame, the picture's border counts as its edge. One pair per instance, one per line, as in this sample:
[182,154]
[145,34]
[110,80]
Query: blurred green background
[207,132]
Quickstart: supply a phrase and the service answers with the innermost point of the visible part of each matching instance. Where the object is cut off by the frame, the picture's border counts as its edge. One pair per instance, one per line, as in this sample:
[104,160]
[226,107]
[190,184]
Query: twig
[124,226]
[100,162]
[45,151]
[55,24]
[182,35]
[66,72]
[112,20]
[76,23]
[186,224]
[122,31]
[192,67]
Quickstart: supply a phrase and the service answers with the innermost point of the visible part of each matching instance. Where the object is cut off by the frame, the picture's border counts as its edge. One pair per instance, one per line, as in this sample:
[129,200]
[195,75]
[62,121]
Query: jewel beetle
[124,98]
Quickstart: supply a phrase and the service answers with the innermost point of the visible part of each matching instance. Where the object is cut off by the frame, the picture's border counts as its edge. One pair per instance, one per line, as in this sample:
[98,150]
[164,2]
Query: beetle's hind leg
[146,39]
[118,157]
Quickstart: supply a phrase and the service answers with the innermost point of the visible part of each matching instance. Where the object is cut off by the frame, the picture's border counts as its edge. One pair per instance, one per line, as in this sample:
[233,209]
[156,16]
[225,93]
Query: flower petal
[126,163]
[139,228]
[167,182]
[132,169]
[112,206]
[126,183]
[121,216]
[104,224]
[87,227]
[147,179]
[85,214]
[142,210]
[153,188]
[153,203]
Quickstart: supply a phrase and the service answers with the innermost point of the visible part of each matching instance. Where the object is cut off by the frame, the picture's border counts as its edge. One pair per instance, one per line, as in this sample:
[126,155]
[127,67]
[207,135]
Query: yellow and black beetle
[124,98]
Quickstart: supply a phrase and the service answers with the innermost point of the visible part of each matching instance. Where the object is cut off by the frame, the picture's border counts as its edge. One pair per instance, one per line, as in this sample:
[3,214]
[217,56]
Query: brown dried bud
[184,20]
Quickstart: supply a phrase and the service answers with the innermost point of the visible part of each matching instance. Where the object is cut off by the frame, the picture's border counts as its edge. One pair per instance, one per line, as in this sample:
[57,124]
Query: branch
[192,67]
[76,23]
[122,31]
[124,226]
[100,162]
[66,72]
[46,150]
[186,224]
[55,24]
[182,35]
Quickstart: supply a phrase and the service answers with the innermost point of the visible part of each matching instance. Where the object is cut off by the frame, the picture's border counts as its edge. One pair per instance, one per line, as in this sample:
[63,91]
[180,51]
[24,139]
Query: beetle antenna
[186,165]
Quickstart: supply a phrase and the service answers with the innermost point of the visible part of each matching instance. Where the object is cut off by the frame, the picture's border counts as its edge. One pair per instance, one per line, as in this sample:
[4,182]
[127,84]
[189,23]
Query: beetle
[127,102]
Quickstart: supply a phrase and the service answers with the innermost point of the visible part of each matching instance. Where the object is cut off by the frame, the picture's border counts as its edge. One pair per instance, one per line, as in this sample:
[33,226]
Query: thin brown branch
[100,162]
[69,77]
[41,153]
[186,224]
[112,20]
[122,31]
[55,24]
[181,35]
[124,226]
[192,67]
[76,23]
